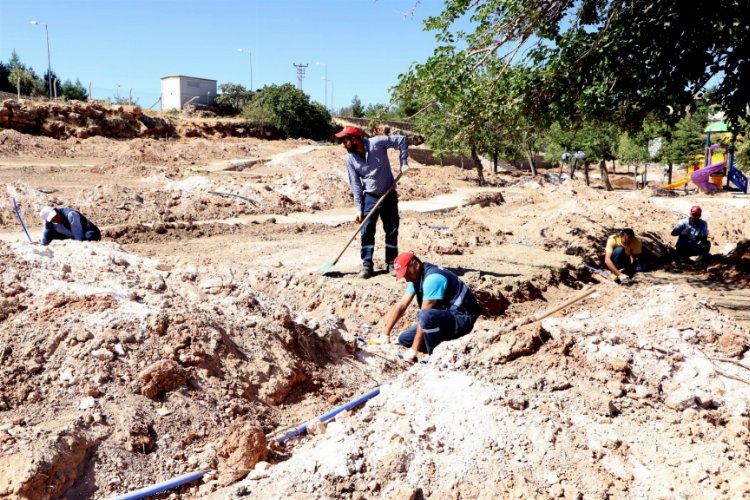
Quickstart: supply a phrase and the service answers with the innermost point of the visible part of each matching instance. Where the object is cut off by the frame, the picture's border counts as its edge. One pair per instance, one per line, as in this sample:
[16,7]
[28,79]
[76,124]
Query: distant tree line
[16,77]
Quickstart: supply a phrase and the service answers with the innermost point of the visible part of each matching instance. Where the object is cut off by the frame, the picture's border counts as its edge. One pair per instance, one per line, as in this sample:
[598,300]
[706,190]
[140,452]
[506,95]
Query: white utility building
[177,90]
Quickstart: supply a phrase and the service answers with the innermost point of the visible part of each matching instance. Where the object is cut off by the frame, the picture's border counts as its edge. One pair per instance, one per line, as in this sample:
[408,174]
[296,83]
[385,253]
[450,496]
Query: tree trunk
[478,164]
[669,173]
[494,161]
[605,175]
[586,171]
[614,166]
[532,166]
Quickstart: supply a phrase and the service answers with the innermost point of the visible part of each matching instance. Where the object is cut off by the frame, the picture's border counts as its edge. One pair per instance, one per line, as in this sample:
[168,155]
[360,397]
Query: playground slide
[677,184]
[702,178]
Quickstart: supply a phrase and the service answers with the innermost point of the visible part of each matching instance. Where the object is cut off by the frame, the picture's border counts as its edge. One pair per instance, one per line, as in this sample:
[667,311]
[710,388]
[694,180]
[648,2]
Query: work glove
[358,219]
[624,279]
[410,355]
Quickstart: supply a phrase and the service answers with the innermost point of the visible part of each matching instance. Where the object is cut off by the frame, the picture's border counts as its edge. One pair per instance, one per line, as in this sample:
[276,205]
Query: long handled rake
[329,265]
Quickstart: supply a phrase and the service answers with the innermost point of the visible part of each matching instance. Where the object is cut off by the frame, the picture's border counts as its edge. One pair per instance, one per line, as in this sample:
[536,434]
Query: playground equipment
[703,178]
[711,166]
[683,181]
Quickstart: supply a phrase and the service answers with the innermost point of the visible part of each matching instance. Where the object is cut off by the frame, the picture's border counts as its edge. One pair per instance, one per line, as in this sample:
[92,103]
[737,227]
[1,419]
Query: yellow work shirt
[615,241]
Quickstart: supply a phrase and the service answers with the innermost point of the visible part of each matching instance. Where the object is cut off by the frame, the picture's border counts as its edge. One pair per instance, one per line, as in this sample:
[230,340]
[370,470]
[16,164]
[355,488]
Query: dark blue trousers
[438,326]
[621,261]
[92,234]
[388,213]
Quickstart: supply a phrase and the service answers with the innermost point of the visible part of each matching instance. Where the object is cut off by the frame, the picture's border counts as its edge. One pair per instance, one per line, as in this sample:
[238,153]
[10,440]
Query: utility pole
[49,60]
[300,74]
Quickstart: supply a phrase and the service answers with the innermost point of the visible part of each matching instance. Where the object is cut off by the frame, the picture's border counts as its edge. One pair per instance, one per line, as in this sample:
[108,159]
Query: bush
[290,111]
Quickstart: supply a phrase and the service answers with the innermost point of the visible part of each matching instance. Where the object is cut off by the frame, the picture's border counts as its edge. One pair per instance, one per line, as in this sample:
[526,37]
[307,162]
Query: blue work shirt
[688,232]
[372,174]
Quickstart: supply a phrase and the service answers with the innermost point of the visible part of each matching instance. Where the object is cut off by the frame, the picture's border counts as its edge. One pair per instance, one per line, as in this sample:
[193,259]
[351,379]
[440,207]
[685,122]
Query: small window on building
[196,85]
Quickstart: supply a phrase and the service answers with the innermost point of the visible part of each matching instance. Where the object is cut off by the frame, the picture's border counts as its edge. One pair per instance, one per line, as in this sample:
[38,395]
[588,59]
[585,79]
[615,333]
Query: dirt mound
[735,266]
[182,348]
[475,423]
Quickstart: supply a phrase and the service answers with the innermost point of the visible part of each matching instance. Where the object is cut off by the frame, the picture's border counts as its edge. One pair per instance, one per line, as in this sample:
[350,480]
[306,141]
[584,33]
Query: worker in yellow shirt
[621,255]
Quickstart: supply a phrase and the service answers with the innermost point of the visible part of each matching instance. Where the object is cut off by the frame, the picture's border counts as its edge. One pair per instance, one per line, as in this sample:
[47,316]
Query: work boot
[365,273]
[391,270]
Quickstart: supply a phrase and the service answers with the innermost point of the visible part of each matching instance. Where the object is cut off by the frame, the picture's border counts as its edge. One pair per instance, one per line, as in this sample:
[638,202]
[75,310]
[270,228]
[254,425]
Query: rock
[46,468]
[680,399]
[158,324]
[732,345]
[133,427]
[164,375]
[103,354]
[86,403]
[240,451]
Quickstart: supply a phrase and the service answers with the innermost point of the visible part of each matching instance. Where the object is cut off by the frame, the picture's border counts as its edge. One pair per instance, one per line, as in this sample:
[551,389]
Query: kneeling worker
[621,254]
[447,308]
[65,224]
[692,236]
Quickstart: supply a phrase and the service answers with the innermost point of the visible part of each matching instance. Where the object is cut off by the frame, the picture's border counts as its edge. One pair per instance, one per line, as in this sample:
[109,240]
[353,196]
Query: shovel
[329,265]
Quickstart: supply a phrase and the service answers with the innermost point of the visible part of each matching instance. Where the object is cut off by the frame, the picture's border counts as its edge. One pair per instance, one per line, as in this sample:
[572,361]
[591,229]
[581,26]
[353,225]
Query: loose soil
[199,329]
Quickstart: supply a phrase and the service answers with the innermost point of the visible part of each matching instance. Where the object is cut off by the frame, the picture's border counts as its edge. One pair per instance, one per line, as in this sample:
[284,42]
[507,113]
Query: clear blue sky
[365,44]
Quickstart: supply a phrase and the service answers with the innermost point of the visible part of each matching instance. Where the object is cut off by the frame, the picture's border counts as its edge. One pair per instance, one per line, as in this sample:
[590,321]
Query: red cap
[695,211]
[401,262]
[349,130]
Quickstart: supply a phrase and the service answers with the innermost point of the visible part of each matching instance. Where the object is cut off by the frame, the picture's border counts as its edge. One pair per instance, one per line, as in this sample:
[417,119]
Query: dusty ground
[198,330]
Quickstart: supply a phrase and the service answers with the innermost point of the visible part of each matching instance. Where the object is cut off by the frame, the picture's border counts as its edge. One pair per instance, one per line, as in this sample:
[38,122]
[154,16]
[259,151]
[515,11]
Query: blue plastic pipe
[163,486]
[302,429]
[18,214]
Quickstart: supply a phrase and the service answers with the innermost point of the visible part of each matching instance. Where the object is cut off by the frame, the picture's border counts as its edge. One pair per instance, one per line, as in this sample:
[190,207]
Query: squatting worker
[447,308]
[65,224]
[370,177]
[692,236]
[621,254]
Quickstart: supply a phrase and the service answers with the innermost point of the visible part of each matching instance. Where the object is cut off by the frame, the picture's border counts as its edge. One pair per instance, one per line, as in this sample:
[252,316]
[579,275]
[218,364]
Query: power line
[300,74]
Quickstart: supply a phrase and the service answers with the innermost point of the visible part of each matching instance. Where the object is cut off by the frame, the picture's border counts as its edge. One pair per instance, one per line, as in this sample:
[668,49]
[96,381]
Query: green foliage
[290,111]
[123,100]
[25,78]
[613,61]
[233,98]
[742,156]
[632,150]
[74,91]
[358,111]
[5,85]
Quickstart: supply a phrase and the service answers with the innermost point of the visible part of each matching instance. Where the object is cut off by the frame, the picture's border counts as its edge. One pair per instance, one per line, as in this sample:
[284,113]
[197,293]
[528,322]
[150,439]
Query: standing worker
[65,224]
[447,308]
[370,178]
[692,236]
[621,255]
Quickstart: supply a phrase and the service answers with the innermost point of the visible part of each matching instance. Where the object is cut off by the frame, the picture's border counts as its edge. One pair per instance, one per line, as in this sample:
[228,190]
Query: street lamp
[325,66]
[327,82]
[49,60]
[251,65]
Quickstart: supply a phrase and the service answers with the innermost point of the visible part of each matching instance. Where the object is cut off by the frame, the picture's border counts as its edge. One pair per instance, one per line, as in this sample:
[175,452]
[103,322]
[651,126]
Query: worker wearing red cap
[692,236]
[447,308]
[370,177]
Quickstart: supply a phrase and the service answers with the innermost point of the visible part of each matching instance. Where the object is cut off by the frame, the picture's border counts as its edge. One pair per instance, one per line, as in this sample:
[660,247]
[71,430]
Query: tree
[357,110]
[5,85]
[632,150]
[56,84]
[74,91]
[24,80]
[233,98]
[611,60]
[289,110]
